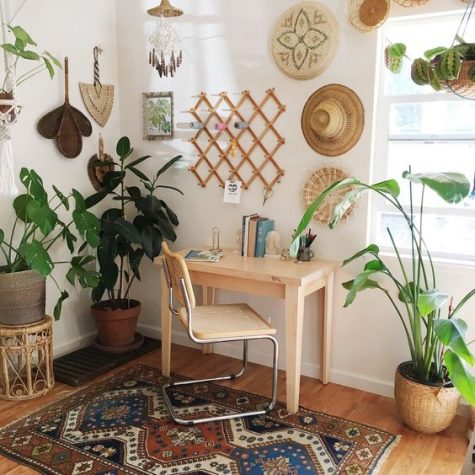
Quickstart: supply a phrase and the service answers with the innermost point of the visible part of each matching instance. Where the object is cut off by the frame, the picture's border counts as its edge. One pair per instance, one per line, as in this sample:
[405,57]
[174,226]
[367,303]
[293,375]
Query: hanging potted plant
[126,237]
[428,386]
[25,251]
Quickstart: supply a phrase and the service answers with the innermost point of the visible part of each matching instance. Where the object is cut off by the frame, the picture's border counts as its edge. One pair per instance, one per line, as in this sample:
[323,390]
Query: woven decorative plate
[305,40]
[411,3]
[320,180]
[367,15]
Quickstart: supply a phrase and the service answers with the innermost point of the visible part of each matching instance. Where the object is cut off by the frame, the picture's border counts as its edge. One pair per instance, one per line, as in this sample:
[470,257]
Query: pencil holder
[305,254]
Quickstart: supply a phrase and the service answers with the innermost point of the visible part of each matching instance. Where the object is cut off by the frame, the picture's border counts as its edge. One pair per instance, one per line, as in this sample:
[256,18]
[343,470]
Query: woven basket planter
[424,408]
[463,86]
[22,298]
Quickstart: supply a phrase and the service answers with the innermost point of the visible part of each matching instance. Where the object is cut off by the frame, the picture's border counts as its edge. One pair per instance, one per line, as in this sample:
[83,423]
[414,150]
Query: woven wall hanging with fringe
[367,15]
[305,40]
[319,181]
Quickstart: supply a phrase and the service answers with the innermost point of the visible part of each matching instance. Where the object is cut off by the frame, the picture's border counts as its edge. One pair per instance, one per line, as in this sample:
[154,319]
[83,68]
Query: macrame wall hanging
[9,111]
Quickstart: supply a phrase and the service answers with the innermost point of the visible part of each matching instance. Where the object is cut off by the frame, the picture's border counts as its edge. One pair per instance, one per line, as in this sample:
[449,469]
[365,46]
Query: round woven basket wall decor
[319,181]
[411,3]
[305,40]
[367,15]
[333,120]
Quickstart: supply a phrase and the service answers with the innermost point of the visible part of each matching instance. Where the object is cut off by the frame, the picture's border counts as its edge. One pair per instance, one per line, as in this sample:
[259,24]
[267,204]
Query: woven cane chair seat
[211,322]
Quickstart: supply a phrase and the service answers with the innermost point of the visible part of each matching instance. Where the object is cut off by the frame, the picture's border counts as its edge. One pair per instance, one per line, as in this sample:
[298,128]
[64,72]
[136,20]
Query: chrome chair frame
[245,340]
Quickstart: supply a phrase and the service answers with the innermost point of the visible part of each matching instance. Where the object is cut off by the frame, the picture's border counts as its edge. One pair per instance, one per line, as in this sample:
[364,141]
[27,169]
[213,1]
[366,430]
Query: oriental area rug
[122,427]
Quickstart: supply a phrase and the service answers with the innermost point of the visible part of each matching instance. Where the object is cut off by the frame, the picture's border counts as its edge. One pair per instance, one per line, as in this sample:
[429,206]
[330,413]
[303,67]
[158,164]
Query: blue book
[263,227]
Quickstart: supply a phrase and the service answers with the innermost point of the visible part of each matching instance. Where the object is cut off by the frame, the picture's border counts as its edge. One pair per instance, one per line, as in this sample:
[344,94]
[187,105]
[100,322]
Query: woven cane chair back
[177,270]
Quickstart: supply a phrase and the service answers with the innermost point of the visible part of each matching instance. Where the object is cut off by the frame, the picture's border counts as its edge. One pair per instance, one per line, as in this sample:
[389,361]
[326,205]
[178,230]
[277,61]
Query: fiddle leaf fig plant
[436,336]
[38,228]
[132,229]
[23,49]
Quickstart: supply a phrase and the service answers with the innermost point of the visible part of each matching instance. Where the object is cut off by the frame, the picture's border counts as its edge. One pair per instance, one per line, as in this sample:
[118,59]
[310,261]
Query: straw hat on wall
[333,120]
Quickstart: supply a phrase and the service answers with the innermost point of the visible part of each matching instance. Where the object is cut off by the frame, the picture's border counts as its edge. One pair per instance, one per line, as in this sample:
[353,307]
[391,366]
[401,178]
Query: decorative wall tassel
[7,172]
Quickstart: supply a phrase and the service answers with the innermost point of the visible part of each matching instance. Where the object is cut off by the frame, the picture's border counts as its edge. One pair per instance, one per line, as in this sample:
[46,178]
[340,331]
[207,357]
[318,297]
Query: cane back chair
[213,324]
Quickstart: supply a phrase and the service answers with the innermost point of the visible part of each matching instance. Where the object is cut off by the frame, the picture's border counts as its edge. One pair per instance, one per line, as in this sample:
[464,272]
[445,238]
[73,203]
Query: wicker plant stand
[26,360]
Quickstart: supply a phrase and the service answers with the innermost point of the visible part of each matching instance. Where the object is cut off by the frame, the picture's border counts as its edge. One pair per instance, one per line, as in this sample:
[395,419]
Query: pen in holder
[305,254]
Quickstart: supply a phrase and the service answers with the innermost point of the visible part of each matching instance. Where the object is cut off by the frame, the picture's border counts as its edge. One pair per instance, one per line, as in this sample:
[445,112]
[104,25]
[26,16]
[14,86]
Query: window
[429,131]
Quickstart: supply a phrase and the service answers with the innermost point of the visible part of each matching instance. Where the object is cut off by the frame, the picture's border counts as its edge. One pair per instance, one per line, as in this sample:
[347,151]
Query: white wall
[226,47]
[70,29]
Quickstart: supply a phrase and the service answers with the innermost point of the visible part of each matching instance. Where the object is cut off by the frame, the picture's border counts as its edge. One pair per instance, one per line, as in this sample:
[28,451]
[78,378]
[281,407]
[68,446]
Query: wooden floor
[415,454]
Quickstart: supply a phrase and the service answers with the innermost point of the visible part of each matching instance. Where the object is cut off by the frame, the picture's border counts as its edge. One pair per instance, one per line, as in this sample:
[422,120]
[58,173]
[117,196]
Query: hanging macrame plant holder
[464,85]
[9,111]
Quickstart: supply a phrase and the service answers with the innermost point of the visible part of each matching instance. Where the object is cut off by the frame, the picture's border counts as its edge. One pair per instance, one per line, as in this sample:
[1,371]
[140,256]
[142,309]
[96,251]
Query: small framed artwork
[158,115]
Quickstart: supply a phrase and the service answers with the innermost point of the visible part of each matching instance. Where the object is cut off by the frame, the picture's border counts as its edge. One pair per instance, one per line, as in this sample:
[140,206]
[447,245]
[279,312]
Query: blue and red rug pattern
[122,427]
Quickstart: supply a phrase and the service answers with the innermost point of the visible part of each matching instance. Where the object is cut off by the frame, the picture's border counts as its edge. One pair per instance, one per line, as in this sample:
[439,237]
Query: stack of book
[254,233]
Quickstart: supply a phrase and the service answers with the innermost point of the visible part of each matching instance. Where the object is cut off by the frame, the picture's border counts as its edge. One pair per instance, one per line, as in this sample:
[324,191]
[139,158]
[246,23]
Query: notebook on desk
[202,256]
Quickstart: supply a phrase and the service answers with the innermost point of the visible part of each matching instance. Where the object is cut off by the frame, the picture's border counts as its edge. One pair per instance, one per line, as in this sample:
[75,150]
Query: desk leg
[208,299]
[327,328]
[294,306]
[166,327]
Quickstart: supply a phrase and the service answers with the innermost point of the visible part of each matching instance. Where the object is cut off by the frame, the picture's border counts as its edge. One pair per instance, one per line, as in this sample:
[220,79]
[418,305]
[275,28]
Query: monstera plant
[26,250]
[435,334]
[130,230]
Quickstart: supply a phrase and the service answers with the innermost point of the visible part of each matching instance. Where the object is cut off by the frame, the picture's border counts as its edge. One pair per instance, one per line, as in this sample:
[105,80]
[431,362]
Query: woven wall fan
[367,15]
[411,3]
[320,180]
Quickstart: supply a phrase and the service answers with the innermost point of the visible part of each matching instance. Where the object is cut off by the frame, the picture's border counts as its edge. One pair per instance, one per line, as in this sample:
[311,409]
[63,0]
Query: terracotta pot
[424,408]
[22,298]
[116,327]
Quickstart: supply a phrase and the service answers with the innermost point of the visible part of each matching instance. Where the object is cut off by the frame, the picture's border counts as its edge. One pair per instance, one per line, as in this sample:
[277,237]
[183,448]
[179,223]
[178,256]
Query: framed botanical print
[158,115]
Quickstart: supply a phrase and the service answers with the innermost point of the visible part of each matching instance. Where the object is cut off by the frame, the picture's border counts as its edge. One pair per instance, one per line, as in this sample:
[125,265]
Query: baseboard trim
[60,350]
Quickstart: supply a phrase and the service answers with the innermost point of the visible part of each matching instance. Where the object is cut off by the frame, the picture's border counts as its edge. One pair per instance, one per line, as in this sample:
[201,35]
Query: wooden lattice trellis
[239,158]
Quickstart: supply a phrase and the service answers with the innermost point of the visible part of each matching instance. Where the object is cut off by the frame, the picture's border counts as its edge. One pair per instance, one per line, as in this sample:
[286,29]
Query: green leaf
[34,184]
[37,258]
[452,334]
[112,180]
[79,199]
[140,174]
[62,198]
[49,67]
[107,252]
[135,258]
[127,230]
[2,236]
[55,61]
[29,55]
[344,206]
[168,165]
[461,378]
[19,44]
[137,162]
[390,187]
[151,241]
[371,249]
[92,200]
[88,226]
[397,50]
[432,53]
[44,217]
[430,300]
[69,237]
[123,146]
[171,215]
[358,284]
[170,188]
[376,265]
[59,305]
[407,293]
[98,292]
[318,202]
[450,186]
[10,48]
[165,227]
[22,35]
[150,206]
[20,205]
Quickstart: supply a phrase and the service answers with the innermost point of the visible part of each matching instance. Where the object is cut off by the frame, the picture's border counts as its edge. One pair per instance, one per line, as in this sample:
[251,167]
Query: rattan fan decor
[411,3]
[305,40]
[319,181]
[367,15]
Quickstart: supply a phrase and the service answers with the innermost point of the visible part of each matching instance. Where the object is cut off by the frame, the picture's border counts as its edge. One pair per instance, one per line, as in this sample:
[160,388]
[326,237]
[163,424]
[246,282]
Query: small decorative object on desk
[273,245]
[203,256]
[305,254]
[215,248]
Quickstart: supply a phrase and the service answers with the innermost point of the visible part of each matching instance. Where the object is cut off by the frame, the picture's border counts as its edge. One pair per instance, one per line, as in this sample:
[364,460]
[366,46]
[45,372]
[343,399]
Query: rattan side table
[26,360]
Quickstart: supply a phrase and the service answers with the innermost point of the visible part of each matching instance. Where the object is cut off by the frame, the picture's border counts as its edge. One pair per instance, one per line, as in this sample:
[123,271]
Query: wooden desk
[271,278]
